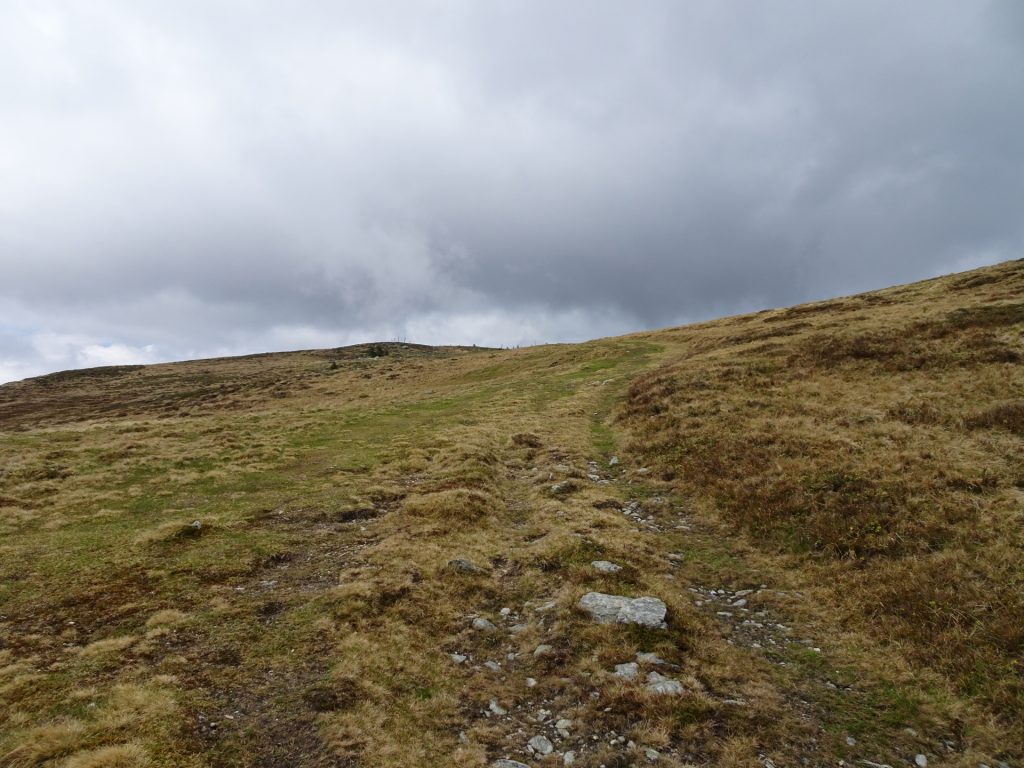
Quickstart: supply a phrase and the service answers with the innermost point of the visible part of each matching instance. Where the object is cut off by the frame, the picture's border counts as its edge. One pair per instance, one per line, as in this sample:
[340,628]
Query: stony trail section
[577,718]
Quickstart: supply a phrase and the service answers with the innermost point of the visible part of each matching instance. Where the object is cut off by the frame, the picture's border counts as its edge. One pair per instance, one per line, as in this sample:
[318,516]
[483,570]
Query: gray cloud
[209,178]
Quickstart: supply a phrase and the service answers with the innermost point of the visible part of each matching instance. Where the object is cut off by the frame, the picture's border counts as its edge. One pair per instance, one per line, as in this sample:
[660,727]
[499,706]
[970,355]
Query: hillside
[374,556]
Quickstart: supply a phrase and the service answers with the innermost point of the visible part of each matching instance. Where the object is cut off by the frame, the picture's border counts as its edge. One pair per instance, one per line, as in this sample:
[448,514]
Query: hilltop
[375,555]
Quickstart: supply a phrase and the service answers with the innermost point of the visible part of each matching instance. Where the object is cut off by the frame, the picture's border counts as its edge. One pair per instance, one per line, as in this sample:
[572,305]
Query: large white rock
[610,609]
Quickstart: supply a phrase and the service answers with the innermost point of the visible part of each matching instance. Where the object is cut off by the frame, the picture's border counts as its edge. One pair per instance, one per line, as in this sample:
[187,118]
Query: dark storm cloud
[207,178]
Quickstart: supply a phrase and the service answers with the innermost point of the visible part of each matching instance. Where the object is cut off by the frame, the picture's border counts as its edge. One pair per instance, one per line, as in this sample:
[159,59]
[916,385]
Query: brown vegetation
[886,452]
[249,562]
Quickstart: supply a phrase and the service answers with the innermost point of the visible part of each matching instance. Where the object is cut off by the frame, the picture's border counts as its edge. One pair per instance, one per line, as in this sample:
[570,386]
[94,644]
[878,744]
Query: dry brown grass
[887,446]
[859,457]
[120,756]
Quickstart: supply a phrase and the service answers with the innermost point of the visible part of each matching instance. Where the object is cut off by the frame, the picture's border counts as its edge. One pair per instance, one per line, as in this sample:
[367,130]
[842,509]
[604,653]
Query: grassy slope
[861,458]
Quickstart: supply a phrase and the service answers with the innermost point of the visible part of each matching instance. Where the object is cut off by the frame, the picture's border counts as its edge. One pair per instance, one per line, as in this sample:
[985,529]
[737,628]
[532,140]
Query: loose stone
[663,685]
[608,609]
[628,671]
[541,745]
[461,565]
[650,658]
[563,726]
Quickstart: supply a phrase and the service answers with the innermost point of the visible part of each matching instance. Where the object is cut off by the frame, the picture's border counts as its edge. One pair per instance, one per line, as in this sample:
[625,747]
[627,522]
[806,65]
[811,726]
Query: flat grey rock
[611,609]
[629,671]
[665,685]
[606,566]
[483,624]
[541,745]
[508,764]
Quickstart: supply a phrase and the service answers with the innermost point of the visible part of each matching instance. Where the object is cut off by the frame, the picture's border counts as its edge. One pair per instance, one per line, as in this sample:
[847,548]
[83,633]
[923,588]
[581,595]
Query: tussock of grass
[1008,416]
[455,505]
[108,645]
[119,756]
[46,742]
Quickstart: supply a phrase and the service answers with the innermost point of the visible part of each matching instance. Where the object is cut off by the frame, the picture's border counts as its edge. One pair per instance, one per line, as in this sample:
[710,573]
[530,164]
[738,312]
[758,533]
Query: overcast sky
[195,178]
